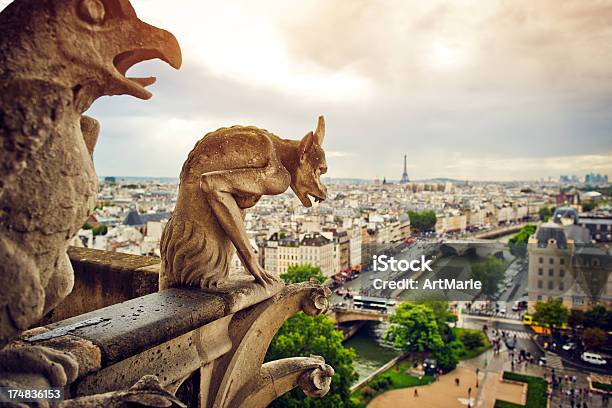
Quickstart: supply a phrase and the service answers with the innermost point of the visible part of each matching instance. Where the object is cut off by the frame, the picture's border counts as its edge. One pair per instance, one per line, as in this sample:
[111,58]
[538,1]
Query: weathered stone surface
[127,328]
[56,58]
[226,173]
[238,378]
[103,278]
[179,331]
[146,392]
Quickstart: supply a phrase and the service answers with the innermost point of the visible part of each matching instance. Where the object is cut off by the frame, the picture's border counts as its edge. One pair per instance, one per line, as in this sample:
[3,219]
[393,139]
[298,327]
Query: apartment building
[563,264]
[312,248]
[451,222]
[355,246]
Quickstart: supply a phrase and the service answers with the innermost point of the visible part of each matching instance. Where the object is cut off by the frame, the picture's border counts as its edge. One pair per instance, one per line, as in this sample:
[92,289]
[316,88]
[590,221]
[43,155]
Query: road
[364,283]
[523,333]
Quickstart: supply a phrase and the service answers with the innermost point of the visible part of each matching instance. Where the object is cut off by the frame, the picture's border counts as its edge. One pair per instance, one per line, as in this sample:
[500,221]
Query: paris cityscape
[317,204]
[474,222]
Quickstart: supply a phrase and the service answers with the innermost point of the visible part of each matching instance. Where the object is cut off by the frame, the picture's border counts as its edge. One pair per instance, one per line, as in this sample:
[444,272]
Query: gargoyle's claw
[268,278]
[264,278]
[59,368]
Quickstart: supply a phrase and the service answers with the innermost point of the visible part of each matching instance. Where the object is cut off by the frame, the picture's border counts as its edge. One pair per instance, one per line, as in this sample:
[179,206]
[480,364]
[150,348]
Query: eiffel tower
[405,178]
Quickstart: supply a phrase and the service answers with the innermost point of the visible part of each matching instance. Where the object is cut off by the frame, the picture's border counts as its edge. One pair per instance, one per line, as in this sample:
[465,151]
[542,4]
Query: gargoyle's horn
[320,133]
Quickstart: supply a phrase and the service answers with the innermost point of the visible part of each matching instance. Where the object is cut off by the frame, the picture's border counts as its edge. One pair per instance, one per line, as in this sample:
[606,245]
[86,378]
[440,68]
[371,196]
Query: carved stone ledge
[234,377]
[311,374]
[316,382]
[177,332]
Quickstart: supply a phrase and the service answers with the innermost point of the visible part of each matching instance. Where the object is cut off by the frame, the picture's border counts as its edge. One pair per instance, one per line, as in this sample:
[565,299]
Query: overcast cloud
[468,89]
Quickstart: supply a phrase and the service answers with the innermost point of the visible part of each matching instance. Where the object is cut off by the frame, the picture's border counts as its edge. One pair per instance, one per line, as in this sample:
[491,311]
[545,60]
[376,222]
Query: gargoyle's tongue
[143,81]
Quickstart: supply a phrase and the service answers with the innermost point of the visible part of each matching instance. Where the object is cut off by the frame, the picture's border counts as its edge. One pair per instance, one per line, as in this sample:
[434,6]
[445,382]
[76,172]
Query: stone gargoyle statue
[227,172]
[56,58]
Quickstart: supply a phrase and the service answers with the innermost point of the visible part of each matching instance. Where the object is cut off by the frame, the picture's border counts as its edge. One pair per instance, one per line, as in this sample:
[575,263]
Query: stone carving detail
[318,301]
[146,392]
[238,378]
[227,172]
[56,59]
[315,383]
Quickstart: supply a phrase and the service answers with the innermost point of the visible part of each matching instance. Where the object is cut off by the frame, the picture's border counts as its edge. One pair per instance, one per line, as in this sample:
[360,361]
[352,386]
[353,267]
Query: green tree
[490,273]
[443,317]
[414,328]
[518,243]
[472,339]
[551,314]
[302,273]
[594,338]
[100,230]
[600,317]
[447,355]
[545,213]
[303,335]
[422,221]
[588,206]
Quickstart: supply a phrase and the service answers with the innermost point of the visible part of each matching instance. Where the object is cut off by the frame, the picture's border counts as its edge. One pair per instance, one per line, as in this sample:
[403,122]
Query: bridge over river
[481,247]
[350,315]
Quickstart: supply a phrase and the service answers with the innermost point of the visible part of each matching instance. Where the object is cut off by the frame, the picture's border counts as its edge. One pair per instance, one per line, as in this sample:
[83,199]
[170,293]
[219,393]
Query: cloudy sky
[469,89]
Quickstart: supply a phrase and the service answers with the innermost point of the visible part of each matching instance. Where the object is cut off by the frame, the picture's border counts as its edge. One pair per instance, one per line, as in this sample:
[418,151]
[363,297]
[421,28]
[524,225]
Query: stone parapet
[104,278]
[204,345]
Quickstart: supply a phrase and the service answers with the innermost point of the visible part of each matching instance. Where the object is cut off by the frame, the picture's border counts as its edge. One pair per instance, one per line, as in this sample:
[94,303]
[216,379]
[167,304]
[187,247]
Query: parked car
[593,358]
[569,346]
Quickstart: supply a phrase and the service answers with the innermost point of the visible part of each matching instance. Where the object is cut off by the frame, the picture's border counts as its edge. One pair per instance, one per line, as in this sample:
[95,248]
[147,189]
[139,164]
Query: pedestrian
[457,382]
[416,392]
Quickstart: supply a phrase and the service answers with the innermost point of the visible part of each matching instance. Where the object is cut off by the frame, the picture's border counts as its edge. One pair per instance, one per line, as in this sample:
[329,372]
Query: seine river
[372,353]
[368,342]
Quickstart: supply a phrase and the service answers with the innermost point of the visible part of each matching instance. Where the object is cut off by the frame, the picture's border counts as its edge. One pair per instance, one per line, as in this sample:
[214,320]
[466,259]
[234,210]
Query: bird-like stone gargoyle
[56,58]
[227,172]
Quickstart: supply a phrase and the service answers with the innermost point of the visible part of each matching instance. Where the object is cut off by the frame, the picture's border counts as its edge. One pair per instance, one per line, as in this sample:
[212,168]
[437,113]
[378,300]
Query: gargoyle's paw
[264,278]
[59,368]
[211,282]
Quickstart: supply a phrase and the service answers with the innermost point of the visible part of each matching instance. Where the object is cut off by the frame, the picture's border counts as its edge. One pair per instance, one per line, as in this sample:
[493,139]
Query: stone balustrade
[206,346]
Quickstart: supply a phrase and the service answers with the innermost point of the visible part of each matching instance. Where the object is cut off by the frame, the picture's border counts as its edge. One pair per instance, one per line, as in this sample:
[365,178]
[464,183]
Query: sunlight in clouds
[248,48]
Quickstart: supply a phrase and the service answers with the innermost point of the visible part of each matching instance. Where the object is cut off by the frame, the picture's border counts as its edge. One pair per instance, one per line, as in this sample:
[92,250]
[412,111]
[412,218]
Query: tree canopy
[422,221]
[302,273]
[100,229]
[490,273]
[545,213]
[594,338]
[303,335]
[414,328]
[551,313]
[423,327]
[598,316]
[518,243]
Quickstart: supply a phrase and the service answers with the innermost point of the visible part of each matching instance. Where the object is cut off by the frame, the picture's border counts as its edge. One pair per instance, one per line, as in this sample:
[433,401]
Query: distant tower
[405,178]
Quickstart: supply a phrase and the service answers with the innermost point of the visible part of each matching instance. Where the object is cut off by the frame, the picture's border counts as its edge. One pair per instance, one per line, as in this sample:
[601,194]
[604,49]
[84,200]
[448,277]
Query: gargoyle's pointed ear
[306,144]
[320,132]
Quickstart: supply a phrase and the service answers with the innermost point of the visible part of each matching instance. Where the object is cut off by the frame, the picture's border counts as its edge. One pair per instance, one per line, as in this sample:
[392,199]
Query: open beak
[146,43]
[307,202]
